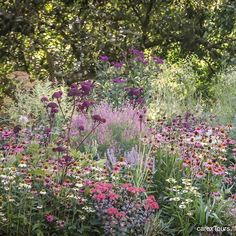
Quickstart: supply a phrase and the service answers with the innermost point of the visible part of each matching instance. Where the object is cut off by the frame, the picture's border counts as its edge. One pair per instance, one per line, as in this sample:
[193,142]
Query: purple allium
[85,105]
[54,110]
[86,86]
[52,105]
[98,118]
[119,80]
[104,58]
[44,99]
[74,92]
[57,95]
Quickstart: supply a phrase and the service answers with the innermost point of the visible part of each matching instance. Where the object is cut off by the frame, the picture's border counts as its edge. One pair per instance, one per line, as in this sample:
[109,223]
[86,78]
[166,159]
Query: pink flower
[200,174]
[50,218]
[112,211]
[135,190]
[120,214]
[99,197]
[113,196]
[102,187]
[151,203]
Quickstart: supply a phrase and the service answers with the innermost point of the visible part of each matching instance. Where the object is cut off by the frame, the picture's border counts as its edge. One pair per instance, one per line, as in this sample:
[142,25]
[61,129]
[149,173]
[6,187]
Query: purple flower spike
[57,95]
[104,58]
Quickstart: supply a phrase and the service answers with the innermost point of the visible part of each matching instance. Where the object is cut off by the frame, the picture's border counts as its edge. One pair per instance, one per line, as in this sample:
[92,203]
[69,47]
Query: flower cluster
[122,208]
[202,147]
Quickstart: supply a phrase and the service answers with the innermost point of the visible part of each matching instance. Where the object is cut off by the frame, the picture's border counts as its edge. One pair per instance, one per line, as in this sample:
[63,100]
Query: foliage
[62,39]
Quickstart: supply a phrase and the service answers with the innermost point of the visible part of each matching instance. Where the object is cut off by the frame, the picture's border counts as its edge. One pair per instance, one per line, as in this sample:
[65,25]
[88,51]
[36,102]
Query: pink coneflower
[50,218]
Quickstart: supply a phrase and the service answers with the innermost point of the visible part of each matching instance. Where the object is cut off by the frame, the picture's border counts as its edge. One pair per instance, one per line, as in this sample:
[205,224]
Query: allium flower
[104,58]
[44,99]
[98,118]
[85,105]
[74,92]
[57,95]
[86,86]
[52,105]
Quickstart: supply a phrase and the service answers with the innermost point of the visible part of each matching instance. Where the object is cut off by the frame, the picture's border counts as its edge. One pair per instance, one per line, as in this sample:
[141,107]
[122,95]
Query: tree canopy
[63,38]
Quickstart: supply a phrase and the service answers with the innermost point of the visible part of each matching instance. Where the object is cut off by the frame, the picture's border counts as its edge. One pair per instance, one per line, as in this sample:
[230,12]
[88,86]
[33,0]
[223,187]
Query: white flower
[182,206]
[79,185]
[23,119]
[188,200]
[171,180]
[22,165]
[42,192]
[189,213]
[176,199]
[39,207]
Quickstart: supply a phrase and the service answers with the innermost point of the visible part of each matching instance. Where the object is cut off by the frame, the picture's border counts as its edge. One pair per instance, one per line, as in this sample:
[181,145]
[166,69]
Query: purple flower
[119,80]
[98,118]
[158,60]
[59,149]
[86,86]
[44,99]
[73,92]
[65,160]
[52,105]
[142,60]
[50,218]
[57,95]
[117,64]
[81,128]
[85,105]
[47,130]
[54,110]
[134,92]
[136,52]
[104,58]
